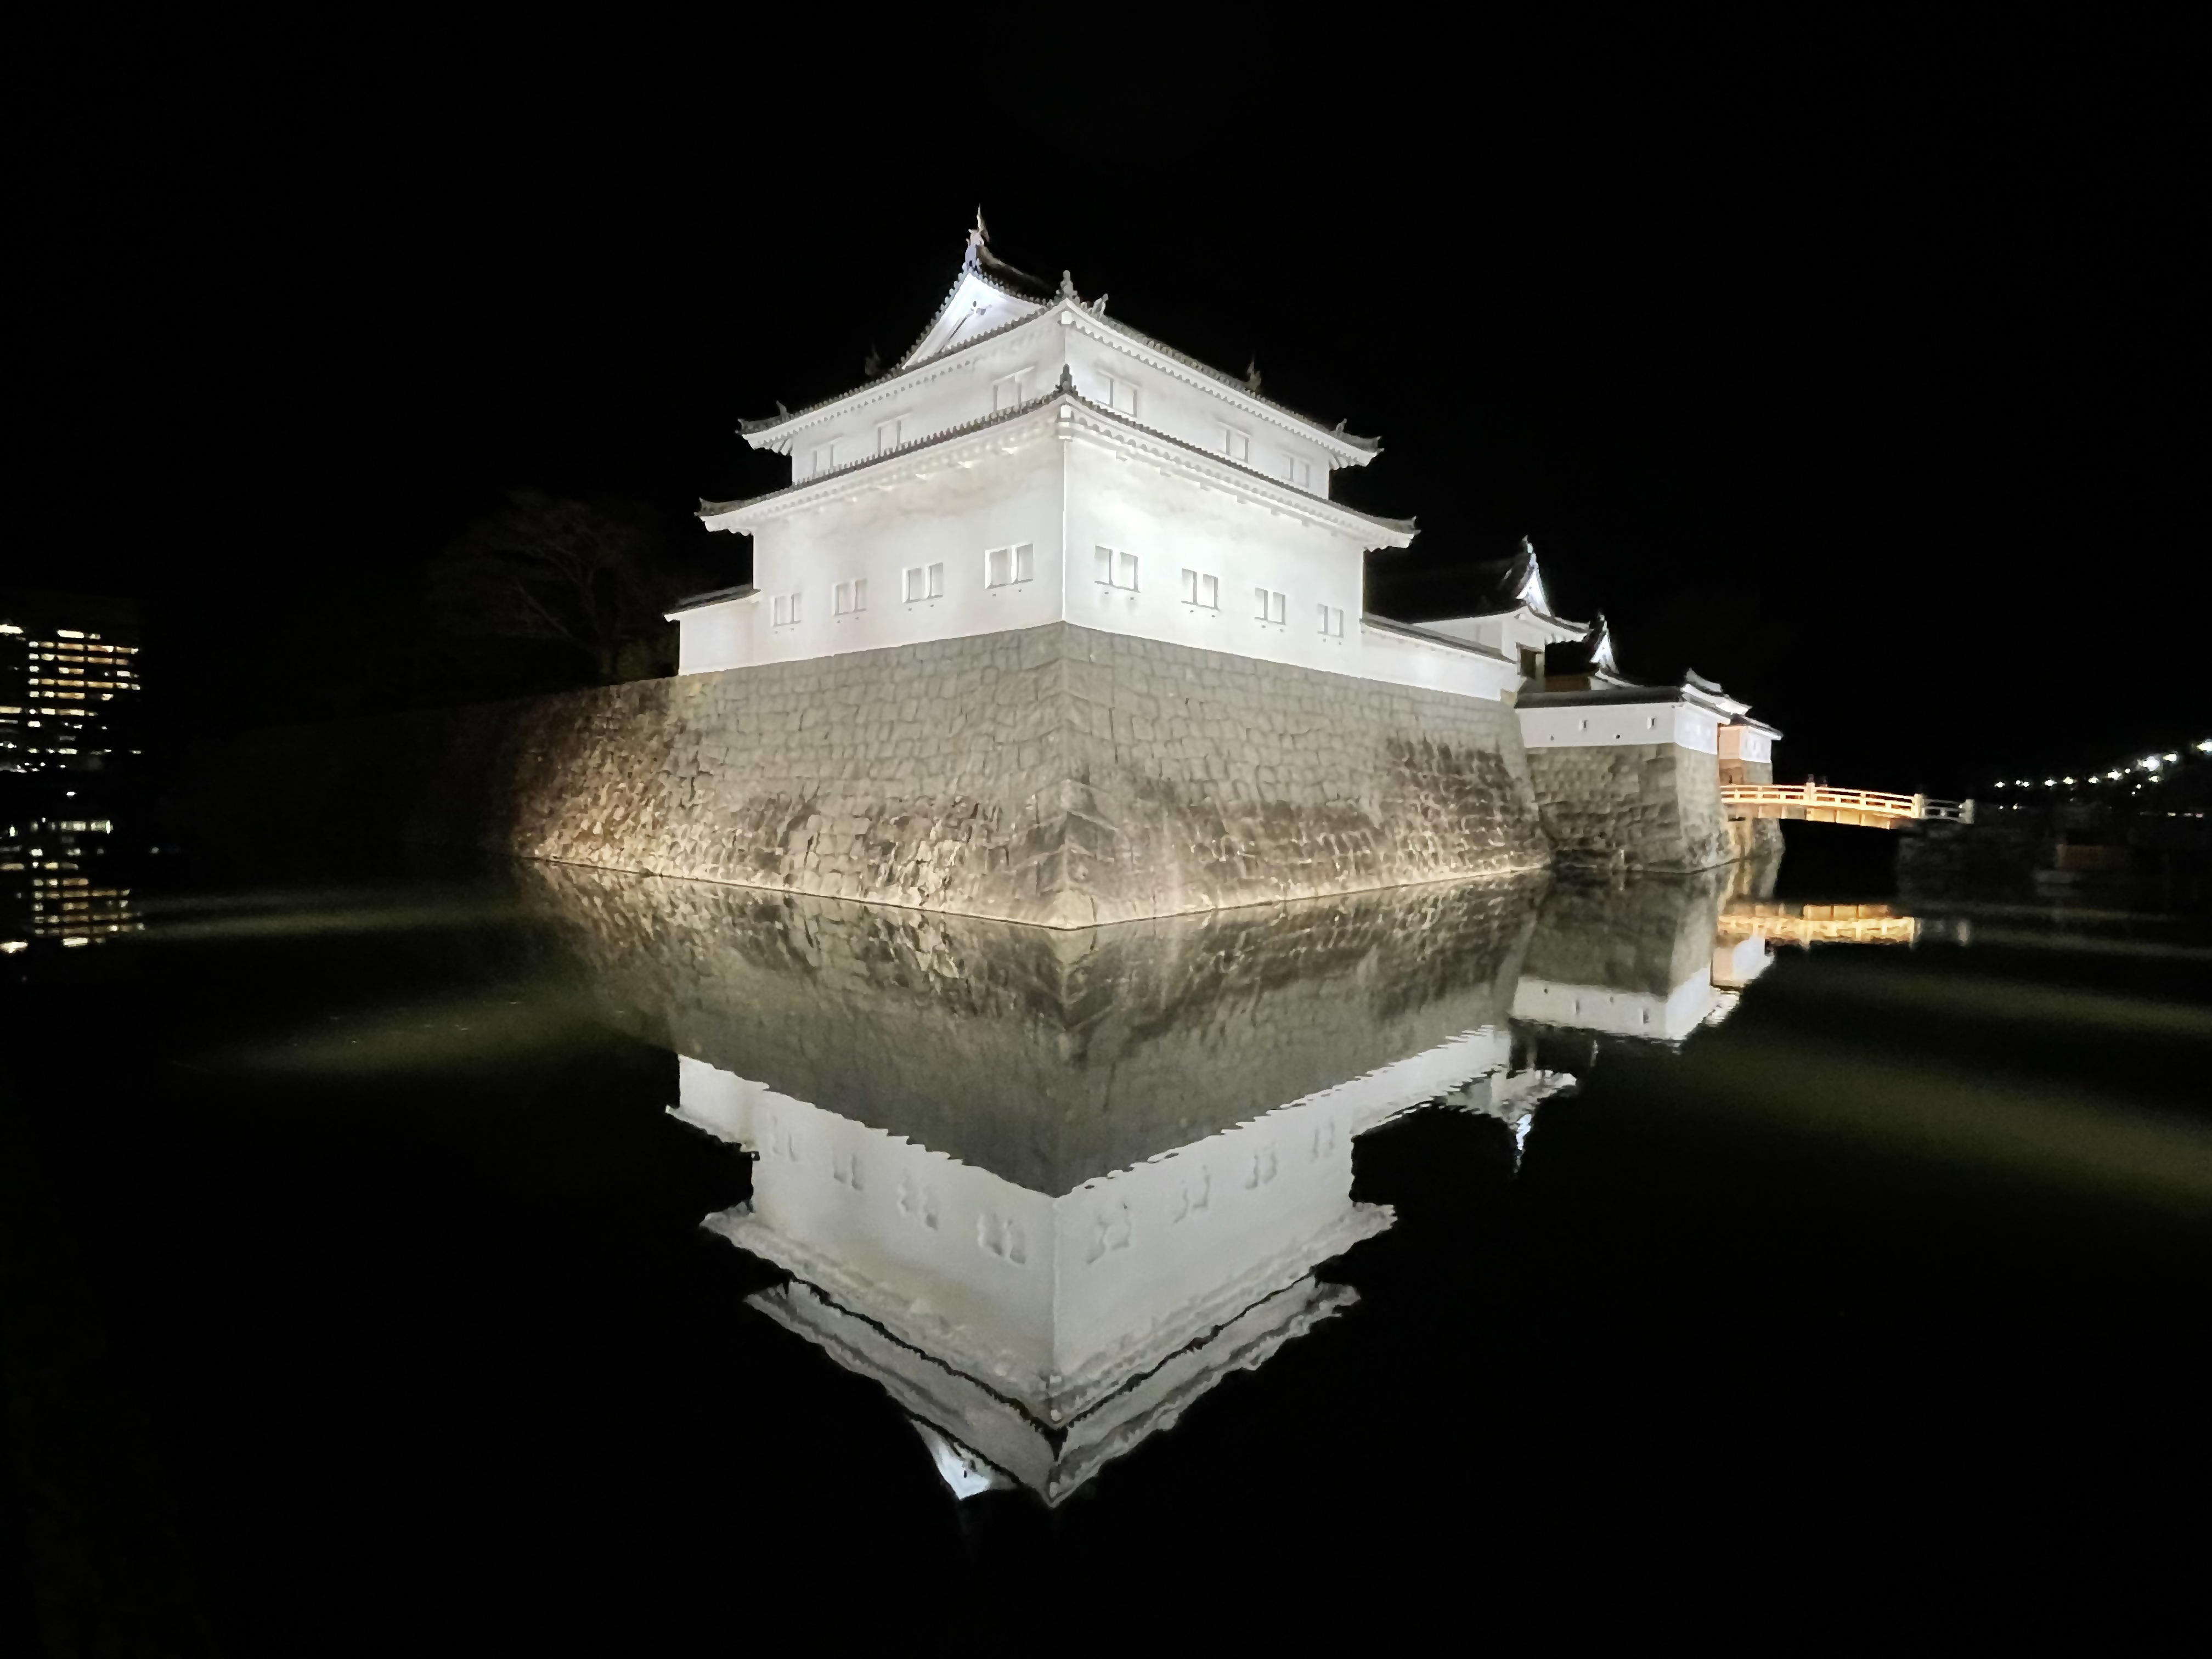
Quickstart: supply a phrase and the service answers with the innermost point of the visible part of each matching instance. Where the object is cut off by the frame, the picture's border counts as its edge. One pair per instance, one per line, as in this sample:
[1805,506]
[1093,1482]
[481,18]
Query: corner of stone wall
[1632,806]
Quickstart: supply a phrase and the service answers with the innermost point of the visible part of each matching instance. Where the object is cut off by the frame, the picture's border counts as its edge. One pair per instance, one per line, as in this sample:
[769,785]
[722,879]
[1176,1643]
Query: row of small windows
[1202,590]
[1003,566]
[1119,394]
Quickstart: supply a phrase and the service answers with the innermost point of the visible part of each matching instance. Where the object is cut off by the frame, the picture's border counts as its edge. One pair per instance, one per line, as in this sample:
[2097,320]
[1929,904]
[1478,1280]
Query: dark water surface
[1520,1254]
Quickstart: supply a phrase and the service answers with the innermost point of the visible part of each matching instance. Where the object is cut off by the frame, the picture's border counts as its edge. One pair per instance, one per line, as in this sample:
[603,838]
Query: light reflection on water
[1576,1188]
[1048,1189]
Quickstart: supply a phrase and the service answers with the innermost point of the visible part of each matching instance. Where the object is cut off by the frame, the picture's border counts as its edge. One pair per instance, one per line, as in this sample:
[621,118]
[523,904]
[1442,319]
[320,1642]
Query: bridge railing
[1819,930]
[1852,800]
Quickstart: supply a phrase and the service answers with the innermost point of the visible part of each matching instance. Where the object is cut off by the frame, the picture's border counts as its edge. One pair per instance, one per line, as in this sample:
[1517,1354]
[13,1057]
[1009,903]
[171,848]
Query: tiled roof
[1020,285]
[697,600]
[1065,391]
[1415,631]
[1371,445]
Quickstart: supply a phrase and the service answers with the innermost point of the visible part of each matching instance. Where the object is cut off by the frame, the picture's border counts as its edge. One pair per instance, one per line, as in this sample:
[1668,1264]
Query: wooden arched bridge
[1817,803]
[1817,923]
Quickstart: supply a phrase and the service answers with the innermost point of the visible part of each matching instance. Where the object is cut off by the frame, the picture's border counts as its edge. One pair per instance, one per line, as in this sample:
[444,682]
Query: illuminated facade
[69,735]
[1031,459]
[69,687]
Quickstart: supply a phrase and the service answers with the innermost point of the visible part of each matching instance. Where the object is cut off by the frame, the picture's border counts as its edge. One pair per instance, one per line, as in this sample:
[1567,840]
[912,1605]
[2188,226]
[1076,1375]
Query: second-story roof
[1398,532]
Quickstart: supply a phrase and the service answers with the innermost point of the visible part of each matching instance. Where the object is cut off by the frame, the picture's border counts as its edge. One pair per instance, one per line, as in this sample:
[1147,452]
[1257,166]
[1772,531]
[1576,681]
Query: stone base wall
[1751,838]
[1633,806]
[1056,775]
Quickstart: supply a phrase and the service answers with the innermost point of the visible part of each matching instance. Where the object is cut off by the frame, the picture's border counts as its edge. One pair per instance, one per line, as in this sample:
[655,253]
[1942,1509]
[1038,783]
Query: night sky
[1857,377]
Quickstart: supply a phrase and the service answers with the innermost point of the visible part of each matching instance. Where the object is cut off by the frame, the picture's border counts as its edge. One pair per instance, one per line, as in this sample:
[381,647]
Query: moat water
[473,1259]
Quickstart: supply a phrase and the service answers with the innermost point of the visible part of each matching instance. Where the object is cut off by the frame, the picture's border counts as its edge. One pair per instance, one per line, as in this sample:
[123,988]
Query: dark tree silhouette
[564,572]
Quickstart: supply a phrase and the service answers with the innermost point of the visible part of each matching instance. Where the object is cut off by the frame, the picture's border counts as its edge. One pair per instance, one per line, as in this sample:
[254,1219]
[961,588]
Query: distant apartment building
[69,686]
[71,734]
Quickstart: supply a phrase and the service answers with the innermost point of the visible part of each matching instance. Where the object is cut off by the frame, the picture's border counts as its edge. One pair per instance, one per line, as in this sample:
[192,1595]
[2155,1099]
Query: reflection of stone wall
[1648,935]
[1046,1058]
[1636,806]
[1751,838]
[1055,774]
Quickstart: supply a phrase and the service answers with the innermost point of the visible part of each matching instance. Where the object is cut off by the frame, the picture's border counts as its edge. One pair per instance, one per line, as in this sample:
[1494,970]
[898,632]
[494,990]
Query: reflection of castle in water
[1048,1187]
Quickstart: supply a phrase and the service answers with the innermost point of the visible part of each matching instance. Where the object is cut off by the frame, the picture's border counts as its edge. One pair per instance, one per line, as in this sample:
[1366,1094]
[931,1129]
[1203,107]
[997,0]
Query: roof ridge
[766,422]
[1406,525]
[1095,310]
[1064,392]
[1371,445]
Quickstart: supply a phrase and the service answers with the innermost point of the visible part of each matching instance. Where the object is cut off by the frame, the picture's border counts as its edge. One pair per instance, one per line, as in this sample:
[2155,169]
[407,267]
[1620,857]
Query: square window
[1002,565]
[890,434]
[1237,444]
[1006,391]
[1121,395]
[1117,568]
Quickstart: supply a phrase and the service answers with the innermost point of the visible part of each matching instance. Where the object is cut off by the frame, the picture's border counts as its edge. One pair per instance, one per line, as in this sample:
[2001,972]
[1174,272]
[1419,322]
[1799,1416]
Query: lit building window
[1332,622]
[852,596]
[1201,590]
[924,582]
[786,610]
[1271,607]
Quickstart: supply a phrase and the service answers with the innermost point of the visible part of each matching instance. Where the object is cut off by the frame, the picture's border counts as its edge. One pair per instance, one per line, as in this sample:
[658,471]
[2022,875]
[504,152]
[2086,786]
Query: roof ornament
[1067,285]
[1098,305]
[977,238]
[1529,589]
[1067,379]
[1252,374]
[1599,642]
[873,364]
[781,413]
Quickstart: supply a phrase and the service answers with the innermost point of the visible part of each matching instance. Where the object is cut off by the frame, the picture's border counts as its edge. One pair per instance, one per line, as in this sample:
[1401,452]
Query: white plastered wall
[714,636]
[961,505]
[1057,1300]
[1746,743]
[1604,724]
[1195,407]
[1025,363]
[1613,1012]
[1123,499]
[1505,633]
